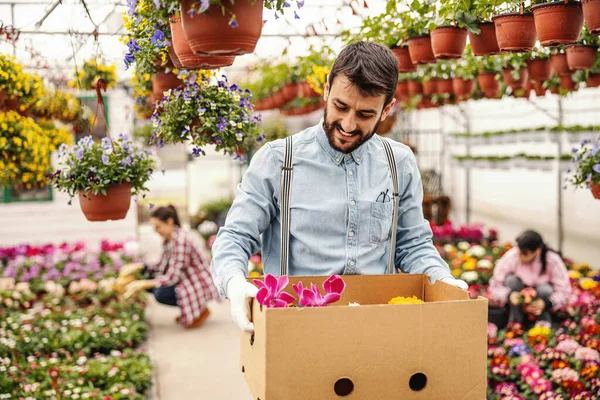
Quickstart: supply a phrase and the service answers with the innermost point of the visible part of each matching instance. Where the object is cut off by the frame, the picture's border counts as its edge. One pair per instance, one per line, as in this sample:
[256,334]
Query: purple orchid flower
[271,294]
[334,286]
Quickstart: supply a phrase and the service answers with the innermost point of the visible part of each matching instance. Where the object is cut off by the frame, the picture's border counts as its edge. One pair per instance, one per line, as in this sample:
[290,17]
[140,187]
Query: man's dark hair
[371,67]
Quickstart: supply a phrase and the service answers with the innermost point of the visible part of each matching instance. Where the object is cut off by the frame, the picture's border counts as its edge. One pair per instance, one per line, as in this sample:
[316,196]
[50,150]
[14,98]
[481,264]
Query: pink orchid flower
[334,286]
[271,294]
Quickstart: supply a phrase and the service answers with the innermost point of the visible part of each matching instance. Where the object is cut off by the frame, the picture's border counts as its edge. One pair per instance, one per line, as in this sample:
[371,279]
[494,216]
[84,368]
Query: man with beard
[342,202]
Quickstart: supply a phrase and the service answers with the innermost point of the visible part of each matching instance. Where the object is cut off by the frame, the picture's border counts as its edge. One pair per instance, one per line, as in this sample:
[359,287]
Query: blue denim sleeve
[254,207]
[415,252]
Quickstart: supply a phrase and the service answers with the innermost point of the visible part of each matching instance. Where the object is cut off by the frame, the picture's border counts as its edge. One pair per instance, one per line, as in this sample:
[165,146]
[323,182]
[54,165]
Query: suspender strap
[391,159]
[286,186]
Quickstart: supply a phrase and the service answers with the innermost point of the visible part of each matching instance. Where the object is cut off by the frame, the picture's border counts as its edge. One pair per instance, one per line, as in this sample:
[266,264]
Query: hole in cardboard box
[343,387]
[243,370]
[417,382]
[252,340]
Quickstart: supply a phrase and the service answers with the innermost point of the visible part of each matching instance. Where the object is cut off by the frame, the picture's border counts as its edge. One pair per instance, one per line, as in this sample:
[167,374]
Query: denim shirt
[340,222]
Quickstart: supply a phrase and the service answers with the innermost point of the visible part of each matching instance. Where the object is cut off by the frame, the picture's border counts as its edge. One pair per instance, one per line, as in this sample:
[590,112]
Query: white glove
[456,282]
[239,290]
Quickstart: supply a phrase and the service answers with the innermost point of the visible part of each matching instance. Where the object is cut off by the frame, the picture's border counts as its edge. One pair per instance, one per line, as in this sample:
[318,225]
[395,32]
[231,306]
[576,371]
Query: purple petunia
[79,154]
[104,159]
[596,168]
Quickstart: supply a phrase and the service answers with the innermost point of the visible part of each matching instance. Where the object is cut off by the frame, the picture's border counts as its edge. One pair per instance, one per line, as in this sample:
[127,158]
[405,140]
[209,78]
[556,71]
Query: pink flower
[587,321]
[583,353]
[506,388]
[527,359]
[271,293]
[541,385]
[334,286]
[510,342]
[492,330]
[569,346]
[564,374]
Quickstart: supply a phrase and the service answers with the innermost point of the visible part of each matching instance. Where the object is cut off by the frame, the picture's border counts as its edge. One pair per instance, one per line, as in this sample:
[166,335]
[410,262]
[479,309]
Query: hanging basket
[163,81]
[420,50]
[538,87]
[567,83]
[593,79]
[114,206]
[489,85]
[430,87]
[414,88]
[444,86]
[186,56]
[539,69]
[448,42]
[174,58]
[463,88]
[560,65]
[401,91]
[290,91]
[211,33]
[558,22]
[307,91]
[515,84]
[515,32]
[405,63]
[485,43]
[581,57]
[591,15]
[596,191]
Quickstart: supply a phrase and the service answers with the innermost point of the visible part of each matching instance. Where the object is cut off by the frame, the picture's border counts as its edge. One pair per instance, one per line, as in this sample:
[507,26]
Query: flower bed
[63,329]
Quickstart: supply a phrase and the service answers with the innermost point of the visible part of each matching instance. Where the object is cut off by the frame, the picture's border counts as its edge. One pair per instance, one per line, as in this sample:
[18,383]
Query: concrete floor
[201,363]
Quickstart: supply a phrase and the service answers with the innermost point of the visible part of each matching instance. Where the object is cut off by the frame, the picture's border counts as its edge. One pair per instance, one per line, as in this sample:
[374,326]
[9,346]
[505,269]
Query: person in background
[530,264]
[181,277]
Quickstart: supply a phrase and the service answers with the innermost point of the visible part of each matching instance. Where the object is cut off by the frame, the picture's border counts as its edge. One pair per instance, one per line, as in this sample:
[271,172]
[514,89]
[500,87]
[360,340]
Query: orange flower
[589,371]
[559,364]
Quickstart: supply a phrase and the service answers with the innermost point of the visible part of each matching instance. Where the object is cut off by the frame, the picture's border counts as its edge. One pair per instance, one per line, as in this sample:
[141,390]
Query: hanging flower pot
[430,87]
[539,69]
[567,83]
[558,22]
[186,56]
[489,85]
[581,57]
[405,63]
[596,191]
[560,65]
[12,103]
[290,91]
[485,43]
[593,79]
[448,42]
[554,90]
[444,86]
[591,15]
[515,84]
[386,125]
[112,206]
[307,91]
[401,90]
[415,88]
[174,58]
[278,99]
[214,32]
[420,50]
[163,81]
[463,88]
[515,32]
[538,87]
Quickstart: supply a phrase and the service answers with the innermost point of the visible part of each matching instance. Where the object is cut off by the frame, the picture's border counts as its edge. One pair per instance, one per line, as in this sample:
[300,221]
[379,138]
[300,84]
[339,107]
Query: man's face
[350,118]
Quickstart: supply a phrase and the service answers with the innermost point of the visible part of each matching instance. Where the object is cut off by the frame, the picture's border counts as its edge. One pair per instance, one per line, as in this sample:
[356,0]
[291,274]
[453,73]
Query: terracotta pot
[2,98]
[444,86]
[515,32]
[12,103]
[402,90]
[558,22]
[448,42]
[415,88]
[186,56]
[163,81]
[278,99]
[539,88]
[581,57]
[560,65]
[386,125]
[515,84]
[211,33]
[420,50]
[489,85]
[426,102]
[591,15]
[290,91]
[430,87]
[307,91]
[174,58]
[539,69]
[593,79]
[554,90]
[485,43]
[113,206]
[463,88]
[596,191]
[405,64]
[566,82]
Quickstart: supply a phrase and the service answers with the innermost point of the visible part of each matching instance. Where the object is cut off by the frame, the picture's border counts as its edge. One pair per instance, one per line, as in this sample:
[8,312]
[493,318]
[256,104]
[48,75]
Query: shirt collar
[337,156]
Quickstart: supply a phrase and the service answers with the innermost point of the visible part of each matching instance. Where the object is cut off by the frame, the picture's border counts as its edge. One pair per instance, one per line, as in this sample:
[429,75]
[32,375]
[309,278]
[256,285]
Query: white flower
[81,360]
[464,246]
[125,391]
[53,360]
[353,304]
[485,264]
[477,251]
[469,276]
[115,353]
[43,363]
[448,248]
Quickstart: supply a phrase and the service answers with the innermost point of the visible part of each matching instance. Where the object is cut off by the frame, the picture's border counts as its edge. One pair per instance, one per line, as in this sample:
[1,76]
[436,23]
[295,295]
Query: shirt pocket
[380,225]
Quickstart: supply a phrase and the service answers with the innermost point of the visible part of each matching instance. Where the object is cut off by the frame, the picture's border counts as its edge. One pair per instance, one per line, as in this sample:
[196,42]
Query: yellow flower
[456,272]
[575,275]
[588,283]
[539,330]
[405,300]
[470,265]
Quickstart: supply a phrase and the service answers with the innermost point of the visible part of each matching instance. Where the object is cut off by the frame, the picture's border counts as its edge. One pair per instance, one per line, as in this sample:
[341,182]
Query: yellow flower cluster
[59,105]
[15,83]
[539,330]
[318,78]
[86,77]
[588,283]
[405,300]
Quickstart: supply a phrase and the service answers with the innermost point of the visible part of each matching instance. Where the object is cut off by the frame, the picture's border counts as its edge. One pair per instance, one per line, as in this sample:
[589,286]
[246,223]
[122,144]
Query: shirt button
[351,262]
[338,159]
[351,173]
[353,203]
[351,233]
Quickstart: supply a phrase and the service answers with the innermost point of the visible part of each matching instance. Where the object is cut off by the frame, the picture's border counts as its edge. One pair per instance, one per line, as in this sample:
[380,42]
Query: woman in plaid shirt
[181,277]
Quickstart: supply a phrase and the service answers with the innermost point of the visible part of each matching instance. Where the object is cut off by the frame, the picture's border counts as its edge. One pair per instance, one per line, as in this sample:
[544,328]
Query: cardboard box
[433,350]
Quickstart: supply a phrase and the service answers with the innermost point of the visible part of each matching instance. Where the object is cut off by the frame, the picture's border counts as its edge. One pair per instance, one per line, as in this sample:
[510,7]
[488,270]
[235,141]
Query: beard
[358,137]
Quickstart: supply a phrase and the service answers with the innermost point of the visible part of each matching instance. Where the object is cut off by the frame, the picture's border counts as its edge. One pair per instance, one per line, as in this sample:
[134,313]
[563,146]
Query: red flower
[573,387]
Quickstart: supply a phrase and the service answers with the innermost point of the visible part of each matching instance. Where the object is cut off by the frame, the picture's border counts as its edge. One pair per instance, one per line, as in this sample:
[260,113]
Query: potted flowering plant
[515,70]
[488,76]
[538,65]
[205,113]
[417,30]
[587,166]
[465,72]
[92,71]
[515,28]
[557,22]
[593,75]
[104,174]
[582,55]
[18,89]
